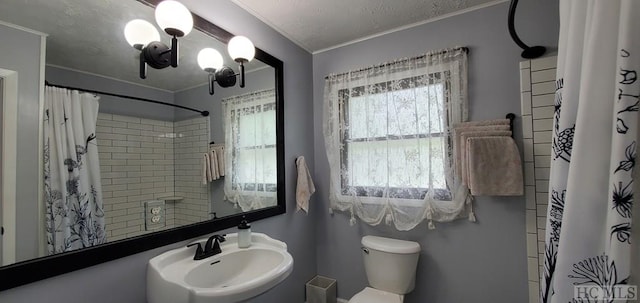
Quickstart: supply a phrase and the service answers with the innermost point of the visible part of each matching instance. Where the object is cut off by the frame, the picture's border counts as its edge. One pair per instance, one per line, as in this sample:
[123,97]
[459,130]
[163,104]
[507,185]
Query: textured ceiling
[322,24]
[87,35]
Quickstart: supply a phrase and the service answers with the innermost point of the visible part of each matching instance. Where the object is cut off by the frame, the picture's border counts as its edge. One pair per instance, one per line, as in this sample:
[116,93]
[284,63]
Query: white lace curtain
[387,136]
[73,192]
[250,137]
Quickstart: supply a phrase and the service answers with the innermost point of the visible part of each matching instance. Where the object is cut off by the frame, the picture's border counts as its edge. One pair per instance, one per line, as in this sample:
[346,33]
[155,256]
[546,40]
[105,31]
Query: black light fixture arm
[143,67]
[212,78]
[174,51]
[241,74]
[528,52]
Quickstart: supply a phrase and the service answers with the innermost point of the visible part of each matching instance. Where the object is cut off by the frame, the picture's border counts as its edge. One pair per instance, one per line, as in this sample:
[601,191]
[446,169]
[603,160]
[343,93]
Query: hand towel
[305,187]
[213,164]
[458,152]
[206,169]
[484,123]
[495,168]
[219,148]
[464,135]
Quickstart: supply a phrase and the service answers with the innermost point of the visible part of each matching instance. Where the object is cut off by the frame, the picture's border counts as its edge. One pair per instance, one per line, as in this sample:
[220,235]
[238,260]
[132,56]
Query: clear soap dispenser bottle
[244,233]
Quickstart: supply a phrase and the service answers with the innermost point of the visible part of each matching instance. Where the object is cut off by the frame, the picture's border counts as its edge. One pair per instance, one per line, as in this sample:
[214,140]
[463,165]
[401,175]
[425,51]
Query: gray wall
[22,55]
[199,97]
[115,105]
[124,280]
[460,261]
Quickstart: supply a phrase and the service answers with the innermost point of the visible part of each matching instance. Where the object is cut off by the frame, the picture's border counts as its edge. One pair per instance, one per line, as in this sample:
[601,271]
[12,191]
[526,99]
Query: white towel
[458,152]
[495,168]
[206,169]
[483,123]
[466,134]
[304,187]
[219,149]
[213,165]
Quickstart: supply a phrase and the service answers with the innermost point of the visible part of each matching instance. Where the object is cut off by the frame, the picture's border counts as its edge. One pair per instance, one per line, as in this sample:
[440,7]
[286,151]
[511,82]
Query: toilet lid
[372,295]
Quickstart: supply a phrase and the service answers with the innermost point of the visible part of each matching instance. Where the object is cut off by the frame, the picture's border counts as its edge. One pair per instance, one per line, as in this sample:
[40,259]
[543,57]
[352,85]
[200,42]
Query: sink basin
[234,275]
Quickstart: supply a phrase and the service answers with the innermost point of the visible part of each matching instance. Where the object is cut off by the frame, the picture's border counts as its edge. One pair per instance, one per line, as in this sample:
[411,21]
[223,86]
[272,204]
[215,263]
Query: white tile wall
[537,86]
[191,142]
[128,171]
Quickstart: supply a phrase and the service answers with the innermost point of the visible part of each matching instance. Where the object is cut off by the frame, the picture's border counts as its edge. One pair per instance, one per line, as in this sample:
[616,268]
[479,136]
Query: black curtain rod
[464,49]
[203,113]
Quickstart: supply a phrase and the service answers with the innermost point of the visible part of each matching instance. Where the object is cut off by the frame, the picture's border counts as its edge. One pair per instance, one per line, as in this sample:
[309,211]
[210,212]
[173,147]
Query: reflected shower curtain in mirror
[250,137]
[594,148]
[73,192]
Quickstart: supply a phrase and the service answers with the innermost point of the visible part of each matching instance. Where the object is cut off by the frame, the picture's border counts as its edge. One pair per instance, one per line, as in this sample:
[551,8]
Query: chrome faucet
[211,248]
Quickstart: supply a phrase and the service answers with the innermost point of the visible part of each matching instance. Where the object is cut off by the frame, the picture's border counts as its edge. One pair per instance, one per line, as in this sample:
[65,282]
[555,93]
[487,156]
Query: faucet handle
[220,238]
[199,251]
[213,243]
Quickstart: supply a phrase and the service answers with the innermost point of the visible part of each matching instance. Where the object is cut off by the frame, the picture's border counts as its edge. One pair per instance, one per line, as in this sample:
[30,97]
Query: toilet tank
[390,264]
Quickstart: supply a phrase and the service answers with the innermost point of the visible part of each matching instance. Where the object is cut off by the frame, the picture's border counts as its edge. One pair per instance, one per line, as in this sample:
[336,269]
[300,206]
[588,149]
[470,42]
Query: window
[394,144]
[387,138]
[250,139]
[254,152]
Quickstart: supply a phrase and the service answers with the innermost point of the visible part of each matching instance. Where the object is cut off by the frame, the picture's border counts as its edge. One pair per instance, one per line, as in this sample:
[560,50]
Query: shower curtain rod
[203,113]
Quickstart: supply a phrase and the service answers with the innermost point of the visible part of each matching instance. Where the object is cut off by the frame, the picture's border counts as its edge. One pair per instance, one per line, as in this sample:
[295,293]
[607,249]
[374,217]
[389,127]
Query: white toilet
[391,269]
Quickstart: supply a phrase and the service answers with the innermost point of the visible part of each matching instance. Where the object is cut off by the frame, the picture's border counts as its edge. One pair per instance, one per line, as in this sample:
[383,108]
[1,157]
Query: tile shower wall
[537,87]
[191,142]
[136,165]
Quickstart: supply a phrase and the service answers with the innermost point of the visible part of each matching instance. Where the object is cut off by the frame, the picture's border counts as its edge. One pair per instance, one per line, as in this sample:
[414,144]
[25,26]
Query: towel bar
[511,117]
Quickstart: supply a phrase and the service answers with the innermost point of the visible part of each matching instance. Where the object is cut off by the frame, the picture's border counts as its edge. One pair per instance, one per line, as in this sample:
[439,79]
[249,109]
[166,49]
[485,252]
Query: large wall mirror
[142,174]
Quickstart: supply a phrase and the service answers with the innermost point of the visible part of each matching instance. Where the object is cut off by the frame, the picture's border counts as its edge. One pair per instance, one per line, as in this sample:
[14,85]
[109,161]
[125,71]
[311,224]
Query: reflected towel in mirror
[213,165]
[219,149]
[206,169]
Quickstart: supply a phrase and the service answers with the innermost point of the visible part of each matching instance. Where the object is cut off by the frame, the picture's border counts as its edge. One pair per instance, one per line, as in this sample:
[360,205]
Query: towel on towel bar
[304,187]
[483,123]
[459,152]
[219,149]
[206,169]
[213,164]
[495,168]
[466,134]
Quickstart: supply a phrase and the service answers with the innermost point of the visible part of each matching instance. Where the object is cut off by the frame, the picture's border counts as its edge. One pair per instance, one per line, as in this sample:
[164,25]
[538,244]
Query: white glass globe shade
[174,15]
[140,32]
[240,47]
[210,58]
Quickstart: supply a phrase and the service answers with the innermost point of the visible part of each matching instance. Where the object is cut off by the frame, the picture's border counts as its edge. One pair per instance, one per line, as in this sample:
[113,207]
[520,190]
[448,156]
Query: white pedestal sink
[234,275]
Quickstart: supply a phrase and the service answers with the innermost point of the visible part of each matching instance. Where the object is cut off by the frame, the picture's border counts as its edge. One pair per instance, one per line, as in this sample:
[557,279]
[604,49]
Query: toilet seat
[372,295]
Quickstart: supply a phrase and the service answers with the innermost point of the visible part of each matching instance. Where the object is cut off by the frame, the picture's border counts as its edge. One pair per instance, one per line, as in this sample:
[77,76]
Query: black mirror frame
[29,271]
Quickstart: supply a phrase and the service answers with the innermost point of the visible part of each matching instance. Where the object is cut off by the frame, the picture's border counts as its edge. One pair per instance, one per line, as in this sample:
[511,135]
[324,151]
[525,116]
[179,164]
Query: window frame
[263,189]
[445,76]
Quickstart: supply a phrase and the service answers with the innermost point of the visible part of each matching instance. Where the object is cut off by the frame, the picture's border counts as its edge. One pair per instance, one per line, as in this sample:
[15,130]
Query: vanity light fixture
[175,19]
[240,49]
[210,60]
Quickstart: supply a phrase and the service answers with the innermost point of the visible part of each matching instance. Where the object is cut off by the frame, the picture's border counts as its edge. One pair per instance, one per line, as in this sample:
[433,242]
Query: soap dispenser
[244,233]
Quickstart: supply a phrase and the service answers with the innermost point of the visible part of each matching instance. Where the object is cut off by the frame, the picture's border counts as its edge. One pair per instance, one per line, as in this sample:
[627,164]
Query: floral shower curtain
[594,147]
[73,192]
